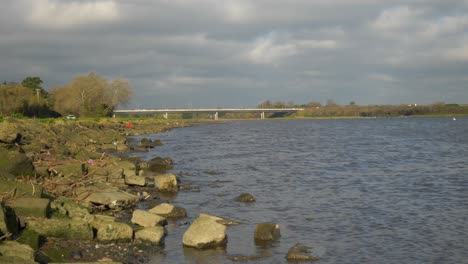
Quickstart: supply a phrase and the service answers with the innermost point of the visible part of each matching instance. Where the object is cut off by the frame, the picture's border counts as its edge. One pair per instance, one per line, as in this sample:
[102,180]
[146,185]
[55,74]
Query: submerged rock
[300,252]
[221,220]
[168,210]
[204,233]
[166,182]
[160,165]
[146,219]
[246,198]
[152,234]
[267,232]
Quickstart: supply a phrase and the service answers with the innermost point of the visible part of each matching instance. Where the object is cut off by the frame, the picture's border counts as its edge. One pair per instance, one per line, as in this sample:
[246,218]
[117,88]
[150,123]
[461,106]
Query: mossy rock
[30,238]
[62,228]
[15,163]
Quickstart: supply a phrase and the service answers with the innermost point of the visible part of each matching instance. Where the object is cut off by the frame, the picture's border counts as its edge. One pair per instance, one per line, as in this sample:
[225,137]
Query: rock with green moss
[70,208]
[114,232]
[30,207]
[134,180]
[19,189]
[14,250]
[113,199]
[152,234]
[267,232]
[246,198]
[300,252]
[15,163]
[61,228]
[30,238]
[99,221]
[160,165]
[8,221]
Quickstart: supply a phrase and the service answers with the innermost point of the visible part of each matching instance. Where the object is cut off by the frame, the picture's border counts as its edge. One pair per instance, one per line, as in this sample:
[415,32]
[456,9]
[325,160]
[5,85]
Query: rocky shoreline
[69,193]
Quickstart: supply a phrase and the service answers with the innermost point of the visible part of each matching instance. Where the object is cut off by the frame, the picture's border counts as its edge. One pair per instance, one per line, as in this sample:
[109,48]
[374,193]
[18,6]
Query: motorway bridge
[213,111]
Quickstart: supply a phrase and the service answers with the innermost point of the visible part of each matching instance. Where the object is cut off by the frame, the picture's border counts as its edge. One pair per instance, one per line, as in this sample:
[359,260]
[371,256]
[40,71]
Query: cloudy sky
[237,53]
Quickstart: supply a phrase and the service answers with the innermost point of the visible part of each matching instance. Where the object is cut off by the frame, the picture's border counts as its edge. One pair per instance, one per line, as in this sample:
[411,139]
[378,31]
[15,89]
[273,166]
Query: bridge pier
[262,115]
[216,116]
[166,116]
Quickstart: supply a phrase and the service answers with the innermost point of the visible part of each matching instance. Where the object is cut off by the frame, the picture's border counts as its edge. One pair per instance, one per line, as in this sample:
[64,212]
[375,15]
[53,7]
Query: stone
[30,238]
[101,220]
[300,252]
[221,220]
[169,211]
[70,169]
[112,199]
[72,209]
[267,232]
[9,134]
[204,233]
[15,163]
[122,148]
[146,219]
[62,228]
[115,232]
[8,221]
[160,165]
[152,234]
[166,182]
[126,165]
[30,207]
[19,189]
[16,250]
[246,198]
[134,180]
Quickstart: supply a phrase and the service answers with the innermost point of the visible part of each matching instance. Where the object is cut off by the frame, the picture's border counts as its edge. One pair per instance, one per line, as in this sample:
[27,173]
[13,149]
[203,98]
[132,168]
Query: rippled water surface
[358,191]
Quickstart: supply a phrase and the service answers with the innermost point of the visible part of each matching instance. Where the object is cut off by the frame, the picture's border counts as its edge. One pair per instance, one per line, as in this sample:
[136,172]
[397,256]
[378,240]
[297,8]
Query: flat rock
[115,232]
[134,180]
[61,228]
[300,252]
[152,234]
[112,199]
[30,207]
[16,250]
[16,163]
[267,232]
[147,219]
[168,210]
[19,189]
[221,220]
[204,233]
[166,182]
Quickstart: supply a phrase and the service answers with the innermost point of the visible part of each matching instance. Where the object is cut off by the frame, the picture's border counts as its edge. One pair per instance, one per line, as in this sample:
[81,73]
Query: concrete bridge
[214,111]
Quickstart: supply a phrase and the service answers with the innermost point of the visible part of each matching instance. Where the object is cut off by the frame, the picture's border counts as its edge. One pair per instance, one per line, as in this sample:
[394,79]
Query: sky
[238,53]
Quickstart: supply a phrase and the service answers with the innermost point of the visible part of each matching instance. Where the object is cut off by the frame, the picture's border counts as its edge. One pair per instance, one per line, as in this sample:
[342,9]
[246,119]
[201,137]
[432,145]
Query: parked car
[71,117]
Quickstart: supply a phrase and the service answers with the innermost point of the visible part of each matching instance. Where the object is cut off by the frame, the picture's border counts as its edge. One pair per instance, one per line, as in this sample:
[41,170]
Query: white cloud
[236,11]
[266,51]
[446,25]
[457,54]
[59,14]
[317,44]
[395,18]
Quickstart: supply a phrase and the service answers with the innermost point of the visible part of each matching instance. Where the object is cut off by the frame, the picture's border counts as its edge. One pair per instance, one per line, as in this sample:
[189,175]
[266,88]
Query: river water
[390,190]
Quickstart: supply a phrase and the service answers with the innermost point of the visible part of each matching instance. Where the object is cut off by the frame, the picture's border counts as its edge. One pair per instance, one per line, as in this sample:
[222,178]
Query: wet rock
[115,232]
[166,182]
[146,219]
[30,207]
[61,228]
[15,163]
[134,180]
[14,250]
[152,234]
[267,232]
[168,210]
[160,165]
[128,167]
[246,198]
[122,148]
[250,257]
[300,252]
[221,220]
[112,199]
[204,233]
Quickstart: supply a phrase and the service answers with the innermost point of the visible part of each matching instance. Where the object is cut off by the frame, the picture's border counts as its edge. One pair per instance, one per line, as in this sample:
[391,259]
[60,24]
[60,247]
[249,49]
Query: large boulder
[166,182]
[15,252]
[300,252]
[146,219]
[267,232]
[168,210]
[15,163]
[115,232]
[204,233]
[61,228]
[152,234]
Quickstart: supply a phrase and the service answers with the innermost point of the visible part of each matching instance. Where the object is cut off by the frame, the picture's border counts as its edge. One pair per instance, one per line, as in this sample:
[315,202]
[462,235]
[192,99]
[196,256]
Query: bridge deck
[212,110]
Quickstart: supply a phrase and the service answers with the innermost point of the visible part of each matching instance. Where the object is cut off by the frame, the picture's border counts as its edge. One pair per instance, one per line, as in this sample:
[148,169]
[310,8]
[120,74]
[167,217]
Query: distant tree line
[85,96]
[332,109]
